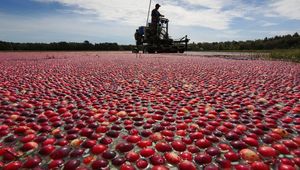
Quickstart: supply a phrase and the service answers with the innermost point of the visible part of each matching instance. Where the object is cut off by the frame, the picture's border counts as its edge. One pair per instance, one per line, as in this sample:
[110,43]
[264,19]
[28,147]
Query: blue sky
[116,20]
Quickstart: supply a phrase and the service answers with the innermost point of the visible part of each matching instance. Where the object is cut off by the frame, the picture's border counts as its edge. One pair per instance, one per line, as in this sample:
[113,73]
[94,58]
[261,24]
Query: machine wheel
[181,51]
[149,50]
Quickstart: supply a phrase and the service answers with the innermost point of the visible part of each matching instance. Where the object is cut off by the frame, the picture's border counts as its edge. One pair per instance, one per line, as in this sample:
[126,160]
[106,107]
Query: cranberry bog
[109,110]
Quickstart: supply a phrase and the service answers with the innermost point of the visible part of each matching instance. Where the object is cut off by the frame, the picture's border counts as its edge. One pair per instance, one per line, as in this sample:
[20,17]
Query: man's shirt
[155,16]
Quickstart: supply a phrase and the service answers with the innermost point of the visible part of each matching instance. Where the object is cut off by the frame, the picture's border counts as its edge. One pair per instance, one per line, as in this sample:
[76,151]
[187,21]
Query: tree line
[64,46]
[277,42]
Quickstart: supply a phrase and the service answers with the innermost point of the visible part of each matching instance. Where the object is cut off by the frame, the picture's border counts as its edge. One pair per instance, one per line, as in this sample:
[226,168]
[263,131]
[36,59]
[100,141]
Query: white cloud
[268,24]
[286,8]
[134,12]
[209,3]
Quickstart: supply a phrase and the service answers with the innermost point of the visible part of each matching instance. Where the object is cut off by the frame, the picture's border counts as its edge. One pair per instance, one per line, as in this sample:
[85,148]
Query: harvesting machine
[156,39]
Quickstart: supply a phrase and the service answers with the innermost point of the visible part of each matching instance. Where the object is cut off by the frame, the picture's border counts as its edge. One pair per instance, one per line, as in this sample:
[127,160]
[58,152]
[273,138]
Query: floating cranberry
[134,139]
[172,158]
[118,161]
[193,149]
[178,146]
[76,153]
[249,155]
[112,134]
[141,163]
[144,143]
[259,166]
[109,154]
[29,146]
[267,139]
[267,151]
[124,147]
[290,144]
[286,167]
[232,136]
[223,163]
[10,138]
[211,167]
[13,165]
[98,149]
[46,150]
[60,153]
[232,156]
[159,167]
[203,143]
[250,141]
[71,164]
[281,148]
[87,132]
[106,140]
[89,143]
[238,144]
[184,165]
[213,151]
[147,152]
[242,167]
[32,162]
[99,164]
[126,166]
[163,147]
[132,156]
[287,161]
[55,164]
[202,159]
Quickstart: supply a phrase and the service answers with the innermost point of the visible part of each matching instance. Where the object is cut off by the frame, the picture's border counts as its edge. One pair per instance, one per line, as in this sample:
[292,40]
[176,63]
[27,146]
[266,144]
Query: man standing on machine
[155,18]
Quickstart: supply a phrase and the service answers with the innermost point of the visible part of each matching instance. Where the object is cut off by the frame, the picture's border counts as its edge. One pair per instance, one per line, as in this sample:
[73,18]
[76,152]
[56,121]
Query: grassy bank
[289,54]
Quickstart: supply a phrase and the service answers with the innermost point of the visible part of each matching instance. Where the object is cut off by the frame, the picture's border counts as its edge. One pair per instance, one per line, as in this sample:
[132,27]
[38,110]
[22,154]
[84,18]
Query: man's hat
[157,5]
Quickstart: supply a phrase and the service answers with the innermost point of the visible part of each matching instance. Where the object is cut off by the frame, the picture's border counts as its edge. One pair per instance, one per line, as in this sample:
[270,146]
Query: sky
[116,20]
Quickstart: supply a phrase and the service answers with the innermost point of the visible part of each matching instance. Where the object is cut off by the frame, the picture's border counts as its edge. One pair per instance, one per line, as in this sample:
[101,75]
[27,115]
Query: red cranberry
[172,157]
[99,164]
[213,151]
[159,167]
[267,151]
[163,147]
[203,159]
[124,147]
[141,163]
[132,156]
[147,152]
[98,149]
[118,161]
[108,154]
[157,160]
[184,165]
[71,164]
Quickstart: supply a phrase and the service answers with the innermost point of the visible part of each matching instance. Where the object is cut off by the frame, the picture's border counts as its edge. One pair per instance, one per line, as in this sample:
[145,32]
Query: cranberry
[124,147]
[98,149]
[141,163]
[172,157]
[147,152]
[99,163]
[132,156]
[157,160]
[267,151]
[203,159]
[108,154]
[71,164]
[184,165]
[163,147]
[118,161]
